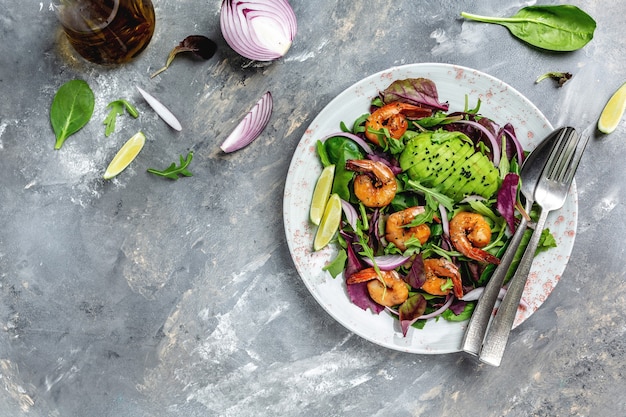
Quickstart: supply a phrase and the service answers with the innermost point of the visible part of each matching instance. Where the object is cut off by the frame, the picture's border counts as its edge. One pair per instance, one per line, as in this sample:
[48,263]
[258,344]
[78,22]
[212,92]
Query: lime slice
[125,155]
[321,193]
[329,223]
[613,111]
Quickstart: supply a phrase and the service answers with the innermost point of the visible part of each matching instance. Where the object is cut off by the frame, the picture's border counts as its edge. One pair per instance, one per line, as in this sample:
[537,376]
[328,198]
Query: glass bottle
[107,31]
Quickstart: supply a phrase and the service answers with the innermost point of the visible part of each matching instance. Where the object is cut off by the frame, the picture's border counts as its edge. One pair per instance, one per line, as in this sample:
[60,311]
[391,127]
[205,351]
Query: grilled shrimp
[469,233]
[387,290]
[396,231]
[375,185]
[437,271]
[392,117]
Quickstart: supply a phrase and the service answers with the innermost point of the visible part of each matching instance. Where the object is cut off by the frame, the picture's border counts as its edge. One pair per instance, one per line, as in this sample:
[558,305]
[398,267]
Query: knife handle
[477,326]
[498,336]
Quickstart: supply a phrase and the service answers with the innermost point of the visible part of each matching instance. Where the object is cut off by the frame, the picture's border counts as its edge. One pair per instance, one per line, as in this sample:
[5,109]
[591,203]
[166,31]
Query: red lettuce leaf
[410,310]
[507,196]
[416,276]
[353,263]
[457,307]
[357,293]
[513,146]
[418,91]
[361,298]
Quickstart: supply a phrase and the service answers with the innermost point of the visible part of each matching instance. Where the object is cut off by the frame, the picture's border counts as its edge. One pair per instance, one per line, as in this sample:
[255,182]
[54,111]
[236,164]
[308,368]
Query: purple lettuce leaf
[353,263]
[418,91]
[361,298]
[513,145]
[411,310]
[507,197]
[457,307]
[357,293]
[416,276]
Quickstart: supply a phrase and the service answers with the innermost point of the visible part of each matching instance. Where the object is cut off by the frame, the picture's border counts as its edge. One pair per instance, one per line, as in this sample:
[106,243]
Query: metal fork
[550,194]
[530,173]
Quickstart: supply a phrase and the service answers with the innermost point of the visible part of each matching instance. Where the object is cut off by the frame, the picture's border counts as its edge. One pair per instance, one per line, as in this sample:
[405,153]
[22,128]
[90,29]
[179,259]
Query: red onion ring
[363,144]
[387,262]
[350,212]
[492,139]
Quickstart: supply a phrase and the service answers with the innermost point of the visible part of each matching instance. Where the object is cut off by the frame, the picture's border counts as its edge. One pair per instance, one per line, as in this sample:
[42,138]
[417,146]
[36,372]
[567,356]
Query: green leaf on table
[555,28]
[117,108]
[173,171]
[71,109]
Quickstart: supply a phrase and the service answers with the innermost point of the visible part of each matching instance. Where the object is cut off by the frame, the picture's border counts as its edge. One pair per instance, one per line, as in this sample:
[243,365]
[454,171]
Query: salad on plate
[429,199]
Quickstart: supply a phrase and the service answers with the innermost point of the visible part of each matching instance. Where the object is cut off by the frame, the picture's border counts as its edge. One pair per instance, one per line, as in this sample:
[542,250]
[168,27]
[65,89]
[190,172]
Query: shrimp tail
[483,256]
[364,275]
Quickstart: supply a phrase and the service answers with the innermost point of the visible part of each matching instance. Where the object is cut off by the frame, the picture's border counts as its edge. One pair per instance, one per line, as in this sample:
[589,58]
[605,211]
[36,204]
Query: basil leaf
[555,28]
[71,109]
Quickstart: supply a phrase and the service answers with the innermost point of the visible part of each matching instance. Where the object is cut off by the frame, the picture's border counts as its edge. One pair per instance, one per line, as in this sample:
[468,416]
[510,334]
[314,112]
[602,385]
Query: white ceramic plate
[501,103]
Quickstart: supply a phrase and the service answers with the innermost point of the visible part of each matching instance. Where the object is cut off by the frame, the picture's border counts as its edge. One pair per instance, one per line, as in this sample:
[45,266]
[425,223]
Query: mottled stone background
[142,297]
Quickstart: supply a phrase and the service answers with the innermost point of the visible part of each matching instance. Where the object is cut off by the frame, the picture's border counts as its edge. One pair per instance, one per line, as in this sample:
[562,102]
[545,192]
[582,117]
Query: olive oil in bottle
[107,31]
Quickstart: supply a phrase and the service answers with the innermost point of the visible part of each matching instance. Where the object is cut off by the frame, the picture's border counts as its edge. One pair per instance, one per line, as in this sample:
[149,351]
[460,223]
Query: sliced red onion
[251,126]
[163,112]
[445,223]
[492,139]
[359,141]
[261,30]
[475,294]
[434,314]
[439,311]
[351,215]
[387,262]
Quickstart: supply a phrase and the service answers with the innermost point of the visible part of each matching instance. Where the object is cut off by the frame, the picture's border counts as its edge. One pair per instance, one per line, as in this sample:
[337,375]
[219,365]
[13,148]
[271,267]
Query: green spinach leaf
[555,28]
[468,309]
[337,265]
[173,171]
[71,109]
[339,150]
[117,108]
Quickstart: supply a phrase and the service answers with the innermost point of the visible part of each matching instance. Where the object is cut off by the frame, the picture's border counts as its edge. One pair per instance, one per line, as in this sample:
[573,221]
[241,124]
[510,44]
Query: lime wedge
[321,193]
[125,155]
[613,111]
[329,223]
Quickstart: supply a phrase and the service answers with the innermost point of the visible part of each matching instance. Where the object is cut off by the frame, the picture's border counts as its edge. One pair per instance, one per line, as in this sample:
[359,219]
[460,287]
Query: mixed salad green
[446,164]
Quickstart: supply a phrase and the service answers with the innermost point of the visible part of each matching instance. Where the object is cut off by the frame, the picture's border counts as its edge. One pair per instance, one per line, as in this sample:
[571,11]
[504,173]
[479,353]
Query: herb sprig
[173,171]
[117,108]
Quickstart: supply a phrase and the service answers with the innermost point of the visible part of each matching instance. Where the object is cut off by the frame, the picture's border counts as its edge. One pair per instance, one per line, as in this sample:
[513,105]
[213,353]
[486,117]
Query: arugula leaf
[546,242]
[117,108]
[433,197]
[173,171]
